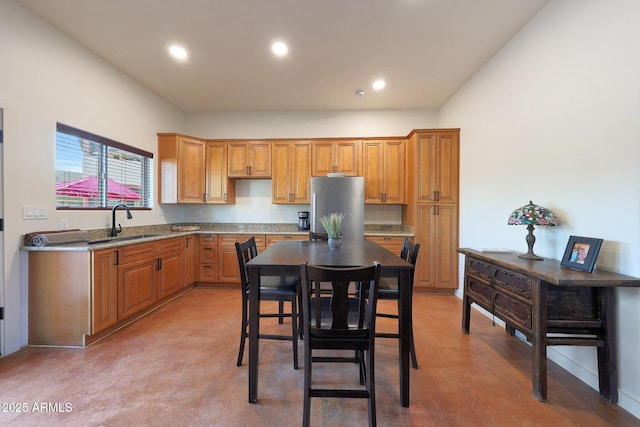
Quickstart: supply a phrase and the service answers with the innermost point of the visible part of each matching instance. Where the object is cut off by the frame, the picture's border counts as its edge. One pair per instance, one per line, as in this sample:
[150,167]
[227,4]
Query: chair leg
[306,412]
[294,331]
[281,312]
[243,333]
[414,358]
[371,387]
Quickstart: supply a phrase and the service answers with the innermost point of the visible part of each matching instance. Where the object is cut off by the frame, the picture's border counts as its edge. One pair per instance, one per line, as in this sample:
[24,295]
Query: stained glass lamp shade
[531,215]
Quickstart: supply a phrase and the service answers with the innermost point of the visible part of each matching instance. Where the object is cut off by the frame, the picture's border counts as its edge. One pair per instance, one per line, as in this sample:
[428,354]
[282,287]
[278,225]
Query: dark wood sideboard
[551,305]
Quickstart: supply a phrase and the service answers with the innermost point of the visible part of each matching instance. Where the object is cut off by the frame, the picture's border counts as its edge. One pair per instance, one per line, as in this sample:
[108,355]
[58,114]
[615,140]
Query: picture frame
[581,253]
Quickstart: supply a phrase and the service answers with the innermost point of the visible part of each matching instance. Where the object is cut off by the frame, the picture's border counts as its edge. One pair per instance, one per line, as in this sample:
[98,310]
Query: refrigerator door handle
[313,212]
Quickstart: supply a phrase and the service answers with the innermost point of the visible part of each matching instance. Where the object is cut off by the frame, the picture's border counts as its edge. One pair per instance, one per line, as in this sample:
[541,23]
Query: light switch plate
[34,212]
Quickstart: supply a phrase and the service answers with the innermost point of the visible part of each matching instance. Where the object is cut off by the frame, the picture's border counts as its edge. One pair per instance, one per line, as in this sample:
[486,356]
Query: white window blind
[93,172]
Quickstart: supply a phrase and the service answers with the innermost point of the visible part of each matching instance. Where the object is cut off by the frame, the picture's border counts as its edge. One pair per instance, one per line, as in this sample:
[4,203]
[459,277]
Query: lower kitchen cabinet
[390,243]
[228,270]
[104,289]
[190,259]
[136,286]
[207,258]
[437,233]
[171,266]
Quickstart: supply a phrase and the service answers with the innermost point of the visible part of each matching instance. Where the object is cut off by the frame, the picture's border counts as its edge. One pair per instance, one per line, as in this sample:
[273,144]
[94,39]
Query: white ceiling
[424,49]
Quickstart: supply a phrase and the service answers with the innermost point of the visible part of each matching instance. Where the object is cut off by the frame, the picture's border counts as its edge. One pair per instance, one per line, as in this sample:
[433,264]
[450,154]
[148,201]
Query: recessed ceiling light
[378,84]
[178,52]
[279,49]
[360,92]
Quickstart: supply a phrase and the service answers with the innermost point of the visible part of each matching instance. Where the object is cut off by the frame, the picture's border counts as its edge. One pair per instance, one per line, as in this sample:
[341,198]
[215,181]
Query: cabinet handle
[434,210]
[224,197]
[117,257]
[438,196]
[186,242]
[159,264]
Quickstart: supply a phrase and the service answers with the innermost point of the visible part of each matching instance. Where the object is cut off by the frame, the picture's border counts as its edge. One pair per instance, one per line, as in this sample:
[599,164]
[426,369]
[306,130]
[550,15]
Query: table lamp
[531,215]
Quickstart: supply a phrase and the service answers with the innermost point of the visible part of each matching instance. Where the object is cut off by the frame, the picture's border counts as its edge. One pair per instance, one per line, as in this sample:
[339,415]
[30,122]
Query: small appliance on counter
[303,221]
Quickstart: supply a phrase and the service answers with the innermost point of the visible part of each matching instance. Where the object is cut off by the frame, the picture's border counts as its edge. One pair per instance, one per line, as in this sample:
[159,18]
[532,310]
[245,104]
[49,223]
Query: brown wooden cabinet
[274,238]
[291,181]
[181,169]
[218,186]
[171,266]
[390,243]
[340,156]
[249,159]
[104,306]
[437,233]
[228,270]
[137,278]
[190,259]
[432,206]
[384,171]
[208,258]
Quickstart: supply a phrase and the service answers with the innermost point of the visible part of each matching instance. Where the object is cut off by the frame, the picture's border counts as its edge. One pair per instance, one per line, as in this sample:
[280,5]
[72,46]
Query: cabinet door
[291,180]
[170,273]
[281,180]
[373,171]
[322,158]
[348,157]
[228,270]
[394,167]
[136,286]
[237,159]
[438,237]
[219,190]
[190,260]
[260,159]
[438,166]
[105,289]
[390,243]
[191,169]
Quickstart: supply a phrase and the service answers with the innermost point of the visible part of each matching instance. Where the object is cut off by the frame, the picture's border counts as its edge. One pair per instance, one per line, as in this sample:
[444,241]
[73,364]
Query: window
[93,172]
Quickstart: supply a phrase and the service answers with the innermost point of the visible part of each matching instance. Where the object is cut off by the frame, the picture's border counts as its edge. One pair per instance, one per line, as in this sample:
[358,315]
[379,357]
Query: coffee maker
[303,221]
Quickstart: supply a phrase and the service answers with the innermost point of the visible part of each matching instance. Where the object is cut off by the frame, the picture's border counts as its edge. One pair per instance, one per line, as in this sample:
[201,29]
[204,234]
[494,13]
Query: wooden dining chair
[389,291]
[341,323]
[272,288]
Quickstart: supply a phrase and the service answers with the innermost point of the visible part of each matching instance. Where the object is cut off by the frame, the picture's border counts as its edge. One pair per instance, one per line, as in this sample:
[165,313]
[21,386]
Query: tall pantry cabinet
[432,206]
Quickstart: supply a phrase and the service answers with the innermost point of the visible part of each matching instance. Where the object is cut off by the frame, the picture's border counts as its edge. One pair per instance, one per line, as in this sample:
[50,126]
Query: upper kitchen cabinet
[249,159]
[219,188]
[341,156]
[181,169]
[291,180]
[438,153]
[384,171]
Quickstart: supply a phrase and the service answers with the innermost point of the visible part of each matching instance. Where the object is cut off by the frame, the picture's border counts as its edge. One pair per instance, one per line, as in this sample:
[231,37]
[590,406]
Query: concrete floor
[176,367]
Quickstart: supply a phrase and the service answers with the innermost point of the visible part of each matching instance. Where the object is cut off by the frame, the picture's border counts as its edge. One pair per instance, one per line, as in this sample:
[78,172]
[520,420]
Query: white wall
[45,78]
[555,117]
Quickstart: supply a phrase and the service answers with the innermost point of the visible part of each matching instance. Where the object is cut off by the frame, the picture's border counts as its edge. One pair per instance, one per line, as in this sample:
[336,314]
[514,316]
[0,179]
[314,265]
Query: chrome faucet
[114,231]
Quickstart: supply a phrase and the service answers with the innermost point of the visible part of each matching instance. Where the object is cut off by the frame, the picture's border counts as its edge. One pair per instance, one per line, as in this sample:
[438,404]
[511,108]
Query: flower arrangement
[332,224]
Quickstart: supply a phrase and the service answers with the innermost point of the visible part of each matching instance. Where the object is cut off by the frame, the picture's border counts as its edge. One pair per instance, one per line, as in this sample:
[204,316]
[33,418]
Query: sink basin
[120,239]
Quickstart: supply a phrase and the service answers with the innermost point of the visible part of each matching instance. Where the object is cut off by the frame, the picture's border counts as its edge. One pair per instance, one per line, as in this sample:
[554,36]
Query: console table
[551,305]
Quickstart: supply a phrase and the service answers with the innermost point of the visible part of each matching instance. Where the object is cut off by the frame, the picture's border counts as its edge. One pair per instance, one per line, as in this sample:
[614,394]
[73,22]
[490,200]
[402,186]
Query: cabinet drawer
[515,283]
[481,291]
[208,239]
[513,311]
[169,246]
[208,254]
[480,269]
[392,244]
[207,273]
[131,253]
[274,238]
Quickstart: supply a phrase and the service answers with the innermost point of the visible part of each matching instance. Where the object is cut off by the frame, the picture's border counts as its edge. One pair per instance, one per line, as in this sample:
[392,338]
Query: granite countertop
[141,234]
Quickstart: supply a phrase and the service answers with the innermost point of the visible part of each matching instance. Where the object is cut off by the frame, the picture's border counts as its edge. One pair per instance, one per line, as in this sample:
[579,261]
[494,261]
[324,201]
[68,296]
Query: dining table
[284,259]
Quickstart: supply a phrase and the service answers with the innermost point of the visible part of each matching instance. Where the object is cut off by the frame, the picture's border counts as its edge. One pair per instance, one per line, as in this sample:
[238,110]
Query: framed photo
[581,253]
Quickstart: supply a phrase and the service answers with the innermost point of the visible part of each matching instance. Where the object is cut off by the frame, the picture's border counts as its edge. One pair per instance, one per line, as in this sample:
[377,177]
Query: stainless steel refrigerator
[339,194]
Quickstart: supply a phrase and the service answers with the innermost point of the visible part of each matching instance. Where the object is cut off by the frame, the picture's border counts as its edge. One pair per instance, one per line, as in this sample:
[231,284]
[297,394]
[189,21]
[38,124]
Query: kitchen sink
[123,238]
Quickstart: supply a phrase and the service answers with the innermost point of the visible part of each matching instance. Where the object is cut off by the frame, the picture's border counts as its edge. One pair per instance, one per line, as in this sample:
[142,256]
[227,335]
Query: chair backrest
[337,306]
[245,251]
[404,252]
[318,237]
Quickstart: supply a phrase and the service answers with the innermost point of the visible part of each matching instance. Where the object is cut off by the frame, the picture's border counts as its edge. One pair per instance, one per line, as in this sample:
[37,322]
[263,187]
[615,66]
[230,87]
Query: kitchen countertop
[163,231]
